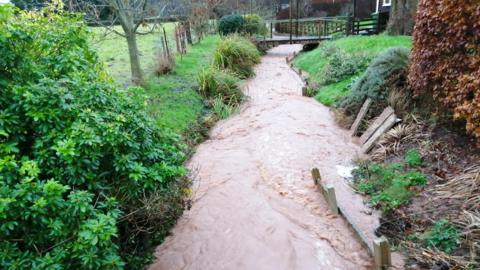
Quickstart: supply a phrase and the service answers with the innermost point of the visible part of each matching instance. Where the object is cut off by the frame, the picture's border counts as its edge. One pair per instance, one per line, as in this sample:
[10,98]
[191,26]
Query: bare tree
[130,15]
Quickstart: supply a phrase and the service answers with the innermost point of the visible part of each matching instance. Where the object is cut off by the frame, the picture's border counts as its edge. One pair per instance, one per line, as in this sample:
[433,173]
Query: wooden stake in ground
[381,253]
[328,191]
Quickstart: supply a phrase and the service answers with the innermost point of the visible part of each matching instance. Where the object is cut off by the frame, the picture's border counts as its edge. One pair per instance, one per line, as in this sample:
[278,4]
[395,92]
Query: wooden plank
[381,253]
[389,122]
[360,116]
[377,123]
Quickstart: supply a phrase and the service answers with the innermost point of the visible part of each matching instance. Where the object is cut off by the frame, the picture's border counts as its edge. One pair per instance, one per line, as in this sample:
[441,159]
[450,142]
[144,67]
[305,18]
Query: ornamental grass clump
[222,84]
[237,54]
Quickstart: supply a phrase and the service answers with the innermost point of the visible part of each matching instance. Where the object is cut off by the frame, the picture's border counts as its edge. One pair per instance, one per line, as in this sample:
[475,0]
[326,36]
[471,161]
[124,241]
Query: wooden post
[316,176]
[332,199]
[166,41]
[290,20]
[189,32]
[296,17]
[381,253]
[328,191]
[271,29]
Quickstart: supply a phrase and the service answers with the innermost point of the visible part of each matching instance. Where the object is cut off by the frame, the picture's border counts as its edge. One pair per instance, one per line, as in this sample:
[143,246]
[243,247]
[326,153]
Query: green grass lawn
[171,99]
[313,61]
[113,51]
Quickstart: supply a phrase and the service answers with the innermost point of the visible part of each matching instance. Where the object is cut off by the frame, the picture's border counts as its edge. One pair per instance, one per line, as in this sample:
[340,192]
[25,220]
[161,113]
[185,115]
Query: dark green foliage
[413,157]
[388,185]
[443,235]
[237,54]
[214,83]
[340,65]
[231,24]
[81,163]
[373,83]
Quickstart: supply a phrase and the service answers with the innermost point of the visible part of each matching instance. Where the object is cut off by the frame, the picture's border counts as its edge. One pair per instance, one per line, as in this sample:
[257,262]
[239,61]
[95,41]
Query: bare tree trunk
[137,74]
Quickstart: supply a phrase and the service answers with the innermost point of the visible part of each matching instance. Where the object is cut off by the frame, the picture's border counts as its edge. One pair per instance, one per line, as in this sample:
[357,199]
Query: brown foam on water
[255,205]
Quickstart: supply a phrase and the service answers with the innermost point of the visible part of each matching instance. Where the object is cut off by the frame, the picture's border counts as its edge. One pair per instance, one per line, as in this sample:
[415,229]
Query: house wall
[330,8]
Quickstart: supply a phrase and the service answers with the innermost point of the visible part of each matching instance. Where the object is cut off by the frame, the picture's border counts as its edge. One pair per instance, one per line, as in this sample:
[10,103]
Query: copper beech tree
[445,60]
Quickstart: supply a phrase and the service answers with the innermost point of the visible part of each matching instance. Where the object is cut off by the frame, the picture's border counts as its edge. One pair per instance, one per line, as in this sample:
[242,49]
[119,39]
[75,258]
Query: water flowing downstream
[254,204]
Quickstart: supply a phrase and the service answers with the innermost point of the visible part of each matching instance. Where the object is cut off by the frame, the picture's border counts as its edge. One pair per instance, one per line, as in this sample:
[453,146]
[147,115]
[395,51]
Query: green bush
[237,54]
[388,185]
[254,25]
[413,157]
[110,182]
[231,24]
[373,83]
[340,65]
[214,83]
[443,235]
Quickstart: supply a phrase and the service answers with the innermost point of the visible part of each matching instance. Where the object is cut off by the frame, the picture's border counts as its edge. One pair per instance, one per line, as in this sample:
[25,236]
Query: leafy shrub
[231,24]
[254,25]
[237,54]
[446,58]
[413,157]
[59,228]
[443,236]
[340,65]
[214,83]
[373,83]
[388,185]
[94,144]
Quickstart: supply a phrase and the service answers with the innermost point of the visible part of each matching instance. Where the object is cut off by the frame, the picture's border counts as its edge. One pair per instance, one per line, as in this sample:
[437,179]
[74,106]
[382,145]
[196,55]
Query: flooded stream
[255,205]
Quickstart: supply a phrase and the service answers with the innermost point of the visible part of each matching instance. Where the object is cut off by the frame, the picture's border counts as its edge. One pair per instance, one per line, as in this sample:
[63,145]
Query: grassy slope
[312,62]
[172,99]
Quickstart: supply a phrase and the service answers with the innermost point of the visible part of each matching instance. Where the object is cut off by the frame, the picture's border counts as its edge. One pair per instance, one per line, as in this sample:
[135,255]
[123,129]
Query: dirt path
[255,206]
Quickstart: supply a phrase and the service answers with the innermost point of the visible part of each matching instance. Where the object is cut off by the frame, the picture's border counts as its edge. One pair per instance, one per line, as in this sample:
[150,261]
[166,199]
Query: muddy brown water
[255,205]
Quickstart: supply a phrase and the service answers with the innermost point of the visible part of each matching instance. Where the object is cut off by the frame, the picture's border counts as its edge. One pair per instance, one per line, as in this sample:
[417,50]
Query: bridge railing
[322,27]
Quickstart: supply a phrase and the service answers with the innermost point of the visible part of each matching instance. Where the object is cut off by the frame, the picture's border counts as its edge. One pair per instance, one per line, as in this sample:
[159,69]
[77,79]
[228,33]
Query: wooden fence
[325,26]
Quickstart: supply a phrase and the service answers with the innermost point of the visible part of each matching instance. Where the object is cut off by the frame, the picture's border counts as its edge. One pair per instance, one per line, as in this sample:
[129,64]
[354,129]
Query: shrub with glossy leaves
[47,225]
[93,144]
[237,54]
[446,57]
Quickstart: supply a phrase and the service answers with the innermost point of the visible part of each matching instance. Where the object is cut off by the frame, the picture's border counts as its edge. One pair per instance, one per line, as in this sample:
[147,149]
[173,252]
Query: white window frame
[387,3]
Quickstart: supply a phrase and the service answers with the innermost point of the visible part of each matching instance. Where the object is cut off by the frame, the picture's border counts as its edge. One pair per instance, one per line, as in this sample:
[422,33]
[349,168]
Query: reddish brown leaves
[446,57]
